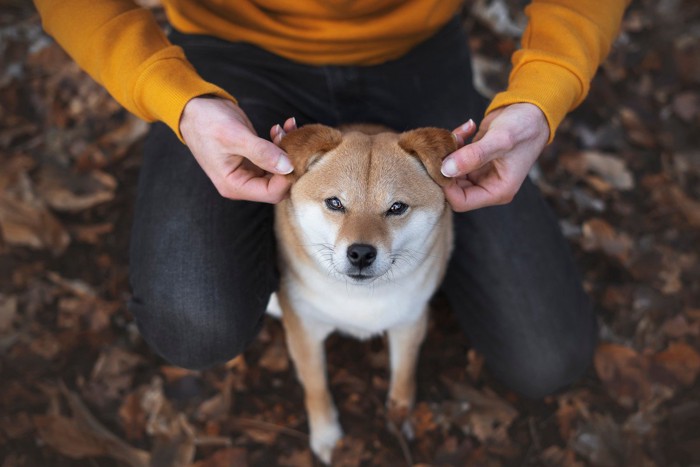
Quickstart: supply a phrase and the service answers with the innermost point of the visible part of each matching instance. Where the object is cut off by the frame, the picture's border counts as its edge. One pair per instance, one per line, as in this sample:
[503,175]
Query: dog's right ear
[307,144]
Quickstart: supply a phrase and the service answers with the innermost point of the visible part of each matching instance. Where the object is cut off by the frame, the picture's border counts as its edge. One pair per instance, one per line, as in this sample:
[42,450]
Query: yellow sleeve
[122,47]
[564,43]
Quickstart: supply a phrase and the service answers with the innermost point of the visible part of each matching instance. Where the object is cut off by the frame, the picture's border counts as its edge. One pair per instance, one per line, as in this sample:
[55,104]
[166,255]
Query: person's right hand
[240,164]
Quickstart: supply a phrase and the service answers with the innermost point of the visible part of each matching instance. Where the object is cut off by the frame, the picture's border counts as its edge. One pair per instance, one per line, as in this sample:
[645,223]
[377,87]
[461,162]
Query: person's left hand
[490,170]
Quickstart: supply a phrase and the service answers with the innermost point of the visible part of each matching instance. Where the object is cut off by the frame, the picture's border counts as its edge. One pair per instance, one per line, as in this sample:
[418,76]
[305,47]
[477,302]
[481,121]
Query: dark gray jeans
[203,267]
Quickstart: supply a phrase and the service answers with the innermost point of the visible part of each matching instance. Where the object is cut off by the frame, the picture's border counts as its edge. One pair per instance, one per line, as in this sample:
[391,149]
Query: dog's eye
[334,204]
[397,209]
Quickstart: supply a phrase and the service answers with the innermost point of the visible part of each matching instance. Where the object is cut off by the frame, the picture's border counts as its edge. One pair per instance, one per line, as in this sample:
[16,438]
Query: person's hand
[239,163]
[490,170]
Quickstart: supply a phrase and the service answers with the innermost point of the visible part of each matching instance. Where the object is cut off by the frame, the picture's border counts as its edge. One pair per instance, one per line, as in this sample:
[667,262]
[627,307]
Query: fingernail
[284,166]
[449,167]
[277,128]
[294,119]
[468,126]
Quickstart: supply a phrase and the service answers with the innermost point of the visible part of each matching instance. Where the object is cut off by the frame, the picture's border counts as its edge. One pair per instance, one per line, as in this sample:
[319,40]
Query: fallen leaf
[679,360]
[112,375]
[232,457]
[689,207]
[599,235]
[479,413]
[81,435]
[554,456]
[686,105]
[600,442]
[8,311]
[275,356]
[624,373]
[610,168]
[66,190]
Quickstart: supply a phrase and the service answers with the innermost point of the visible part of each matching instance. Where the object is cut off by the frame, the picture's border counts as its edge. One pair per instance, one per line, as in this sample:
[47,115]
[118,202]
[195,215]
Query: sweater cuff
[551,87]
[166,86]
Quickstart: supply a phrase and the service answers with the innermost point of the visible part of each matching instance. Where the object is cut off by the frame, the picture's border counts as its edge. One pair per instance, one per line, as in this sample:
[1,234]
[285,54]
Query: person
[202,253]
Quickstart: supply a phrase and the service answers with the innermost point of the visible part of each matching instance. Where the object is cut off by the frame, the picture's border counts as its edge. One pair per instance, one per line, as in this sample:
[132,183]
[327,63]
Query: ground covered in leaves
[78,387]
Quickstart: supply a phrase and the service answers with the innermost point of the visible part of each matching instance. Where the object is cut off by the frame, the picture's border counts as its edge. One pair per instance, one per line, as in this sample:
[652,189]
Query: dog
[364,239]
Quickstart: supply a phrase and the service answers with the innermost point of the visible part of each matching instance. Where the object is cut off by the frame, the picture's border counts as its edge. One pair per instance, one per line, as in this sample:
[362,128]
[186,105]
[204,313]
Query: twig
[212,441]
[405,450]
[260,425]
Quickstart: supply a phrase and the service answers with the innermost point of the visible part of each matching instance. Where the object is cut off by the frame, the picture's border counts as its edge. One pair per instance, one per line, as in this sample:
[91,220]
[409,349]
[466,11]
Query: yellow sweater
[121,46]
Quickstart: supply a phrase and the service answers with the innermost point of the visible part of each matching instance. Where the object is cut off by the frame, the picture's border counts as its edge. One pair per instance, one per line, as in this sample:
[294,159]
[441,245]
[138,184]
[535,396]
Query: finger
[265,189]
[476,155]
[265,155]
[464,131]
[290,124]
[492,191]
[467,198]
[276,134]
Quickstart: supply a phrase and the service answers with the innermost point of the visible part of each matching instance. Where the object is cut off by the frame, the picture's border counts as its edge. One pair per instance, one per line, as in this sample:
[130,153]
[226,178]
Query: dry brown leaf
[17,426]
[600,442]
[132,415]
[82,435]
[572,408]
[554,456]
[689,207]
[45,344]
[24,218]
[112,375]
[678,326]
[231,457]
[686,105]
[298,458]
[624,373]
[422,419]
[8,311]
[681,361]
[91,234]
[64,435]
[599,235]
[214,408]
[176,448]
[349,452]
[65,190]
[31,225]
[480,413]
[275,356]
[611,169]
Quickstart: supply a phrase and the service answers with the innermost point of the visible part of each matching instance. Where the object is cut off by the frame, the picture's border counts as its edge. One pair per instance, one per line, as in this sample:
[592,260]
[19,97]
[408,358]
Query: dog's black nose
[361,255]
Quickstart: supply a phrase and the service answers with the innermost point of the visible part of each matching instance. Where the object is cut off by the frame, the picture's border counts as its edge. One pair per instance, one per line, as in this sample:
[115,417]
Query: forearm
[122,47]
[563,45]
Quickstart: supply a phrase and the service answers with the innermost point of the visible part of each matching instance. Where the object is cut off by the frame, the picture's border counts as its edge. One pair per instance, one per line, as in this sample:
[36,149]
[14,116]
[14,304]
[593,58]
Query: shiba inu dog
[364,240]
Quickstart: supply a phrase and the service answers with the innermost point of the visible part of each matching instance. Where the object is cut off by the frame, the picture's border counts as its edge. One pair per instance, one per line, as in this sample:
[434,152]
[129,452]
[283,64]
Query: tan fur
[368,172]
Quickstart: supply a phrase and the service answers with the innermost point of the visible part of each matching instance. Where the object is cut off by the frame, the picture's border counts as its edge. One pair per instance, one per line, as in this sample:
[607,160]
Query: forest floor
[79,387]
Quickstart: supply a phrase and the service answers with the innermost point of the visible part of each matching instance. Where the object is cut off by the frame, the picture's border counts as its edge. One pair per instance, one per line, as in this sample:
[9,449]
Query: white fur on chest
[362,310]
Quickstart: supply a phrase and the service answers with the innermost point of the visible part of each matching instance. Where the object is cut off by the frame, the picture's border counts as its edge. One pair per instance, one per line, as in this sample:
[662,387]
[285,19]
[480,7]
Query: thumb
[266,155]
[473,156]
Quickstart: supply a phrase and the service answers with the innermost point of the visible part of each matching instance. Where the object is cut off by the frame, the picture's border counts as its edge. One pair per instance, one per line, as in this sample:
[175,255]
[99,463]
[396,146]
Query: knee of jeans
[548,370]
[197,337]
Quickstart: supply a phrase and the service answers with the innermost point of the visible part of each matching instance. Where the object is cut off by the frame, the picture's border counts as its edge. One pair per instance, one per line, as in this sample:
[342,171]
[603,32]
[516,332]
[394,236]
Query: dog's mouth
[360,277]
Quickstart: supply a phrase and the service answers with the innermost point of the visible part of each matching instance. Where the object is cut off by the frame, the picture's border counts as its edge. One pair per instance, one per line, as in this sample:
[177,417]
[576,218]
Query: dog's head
[367,205]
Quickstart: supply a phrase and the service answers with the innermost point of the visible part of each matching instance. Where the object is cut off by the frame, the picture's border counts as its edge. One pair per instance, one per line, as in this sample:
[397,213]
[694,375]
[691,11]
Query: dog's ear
[307,144]
[430,146]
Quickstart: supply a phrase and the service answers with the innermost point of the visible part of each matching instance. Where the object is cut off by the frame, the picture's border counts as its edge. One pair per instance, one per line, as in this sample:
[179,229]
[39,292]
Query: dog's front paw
[324,439]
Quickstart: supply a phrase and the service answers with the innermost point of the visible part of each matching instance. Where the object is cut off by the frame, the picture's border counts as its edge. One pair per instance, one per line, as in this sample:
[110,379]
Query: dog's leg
[305,344]
[404,346]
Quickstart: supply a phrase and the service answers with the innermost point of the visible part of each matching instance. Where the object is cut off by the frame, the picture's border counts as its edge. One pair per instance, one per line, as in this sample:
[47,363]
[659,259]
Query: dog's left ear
[307,144]
[430,146]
